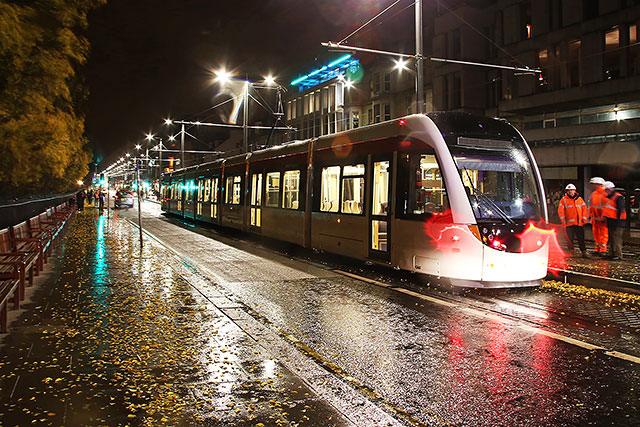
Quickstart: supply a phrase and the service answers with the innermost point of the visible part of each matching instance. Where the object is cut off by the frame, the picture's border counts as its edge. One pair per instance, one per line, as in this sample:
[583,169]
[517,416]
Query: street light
[150,137]
[222,76]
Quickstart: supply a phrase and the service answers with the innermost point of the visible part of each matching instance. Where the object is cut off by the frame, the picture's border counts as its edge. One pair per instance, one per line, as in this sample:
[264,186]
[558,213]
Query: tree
[42,52]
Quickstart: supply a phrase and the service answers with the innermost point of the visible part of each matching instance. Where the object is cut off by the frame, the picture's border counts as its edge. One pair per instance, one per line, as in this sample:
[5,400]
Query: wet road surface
[525,357]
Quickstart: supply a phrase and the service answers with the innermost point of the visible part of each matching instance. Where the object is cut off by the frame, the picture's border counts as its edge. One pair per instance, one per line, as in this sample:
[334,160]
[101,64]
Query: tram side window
[233,190]
[352,189]
[421,189]
[214,190]
[200,190]
[207,190]
[329,190]
[291,189]
[273,189]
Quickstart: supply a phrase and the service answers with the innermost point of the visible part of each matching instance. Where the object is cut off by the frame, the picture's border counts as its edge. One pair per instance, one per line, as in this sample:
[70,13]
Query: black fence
[14,213]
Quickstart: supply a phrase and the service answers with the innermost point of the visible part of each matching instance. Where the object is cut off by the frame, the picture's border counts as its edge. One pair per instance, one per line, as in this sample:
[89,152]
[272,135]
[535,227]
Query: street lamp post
[419,58]
[245,121]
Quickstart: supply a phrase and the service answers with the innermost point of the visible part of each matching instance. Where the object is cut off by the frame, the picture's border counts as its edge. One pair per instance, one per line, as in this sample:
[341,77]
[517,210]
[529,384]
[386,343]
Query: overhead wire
[369,21]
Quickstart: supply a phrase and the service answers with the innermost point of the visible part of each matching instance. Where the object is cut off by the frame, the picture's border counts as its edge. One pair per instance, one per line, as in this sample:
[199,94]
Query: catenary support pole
[418,59]
[139,208]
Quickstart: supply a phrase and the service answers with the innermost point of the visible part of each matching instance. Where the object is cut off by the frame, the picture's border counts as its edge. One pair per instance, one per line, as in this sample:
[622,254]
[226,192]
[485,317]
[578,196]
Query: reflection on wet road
[440,363]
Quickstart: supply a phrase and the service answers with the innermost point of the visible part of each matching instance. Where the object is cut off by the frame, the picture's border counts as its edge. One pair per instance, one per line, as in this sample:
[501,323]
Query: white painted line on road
[365,279]
[623,356]
[502,319]
[563,338]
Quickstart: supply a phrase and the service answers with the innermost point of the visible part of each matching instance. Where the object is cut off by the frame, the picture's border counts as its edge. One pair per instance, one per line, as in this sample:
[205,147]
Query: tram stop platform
[115,335]
[601,272]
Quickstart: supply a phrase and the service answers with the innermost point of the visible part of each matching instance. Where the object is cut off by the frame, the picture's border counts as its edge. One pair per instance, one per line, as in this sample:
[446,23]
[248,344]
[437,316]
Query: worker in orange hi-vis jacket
[572,211]
[597,200]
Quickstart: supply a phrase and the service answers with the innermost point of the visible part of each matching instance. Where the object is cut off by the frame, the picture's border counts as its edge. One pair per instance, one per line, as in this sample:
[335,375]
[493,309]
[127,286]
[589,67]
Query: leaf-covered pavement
[121,338]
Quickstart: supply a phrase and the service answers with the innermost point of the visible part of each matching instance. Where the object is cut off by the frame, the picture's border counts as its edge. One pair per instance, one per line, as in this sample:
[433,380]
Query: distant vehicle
[123,199]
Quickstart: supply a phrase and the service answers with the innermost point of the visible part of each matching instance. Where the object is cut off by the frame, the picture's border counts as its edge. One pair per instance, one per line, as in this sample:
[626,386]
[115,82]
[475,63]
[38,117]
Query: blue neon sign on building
[327,72]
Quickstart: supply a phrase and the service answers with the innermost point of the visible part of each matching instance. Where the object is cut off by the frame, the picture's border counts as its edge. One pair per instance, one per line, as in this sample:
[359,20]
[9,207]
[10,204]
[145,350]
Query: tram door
[379,237]
[256,200]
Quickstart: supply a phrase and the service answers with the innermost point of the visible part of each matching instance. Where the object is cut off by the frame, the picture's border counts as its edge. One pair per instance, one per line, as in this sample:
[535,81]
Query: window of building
[233,190]
[544,64]
[387,81]
[409,103]
[421,190]
[316,100]
[273,189]
[353,189]
[355,119]
[525,19]
[590,9]
[376,113]
[445,93]
[456,91]
[291,189]
[550,123]
[575,52]
[456,48]
[376,83]
[612,54]
[329,189]
[387,111]
[634,51]
[305,105]
[317,126]
[370,116]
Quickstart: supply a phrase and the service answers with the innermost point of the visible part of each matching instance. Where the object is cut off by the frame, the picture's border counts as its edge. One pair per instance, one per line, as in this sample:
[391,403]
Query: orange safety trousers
[600,235]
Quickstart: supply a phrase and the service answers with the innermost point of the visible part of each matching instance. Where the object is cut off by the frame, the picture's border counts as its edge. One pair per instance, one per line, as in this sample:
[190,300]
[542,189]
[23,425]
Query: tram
[450,195]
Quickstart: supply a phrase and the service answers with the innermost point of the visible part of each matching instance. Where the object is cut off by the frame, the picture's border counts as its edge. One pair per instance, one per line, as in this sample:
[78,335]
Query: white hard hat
[597,180]
[609,185]
[570,187]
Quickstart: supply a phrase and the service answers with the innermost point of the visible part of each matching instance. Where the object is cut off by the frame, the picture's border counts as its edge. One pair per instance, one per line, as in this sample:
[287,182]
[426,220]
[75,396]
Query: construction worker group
[606,212]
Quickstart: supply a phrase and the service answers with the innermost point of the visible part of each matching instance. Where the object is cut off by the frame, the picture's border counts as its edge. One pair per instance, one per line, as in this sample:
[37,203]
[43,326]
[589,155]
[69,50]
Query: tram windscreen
[499,180]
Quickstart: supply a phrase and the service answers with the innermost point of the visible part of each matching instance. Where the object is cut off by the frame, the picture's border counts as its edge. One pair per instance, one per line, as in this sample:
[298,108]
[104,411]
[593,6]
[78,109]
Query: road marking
[623,356]
[502,319]
[365,279]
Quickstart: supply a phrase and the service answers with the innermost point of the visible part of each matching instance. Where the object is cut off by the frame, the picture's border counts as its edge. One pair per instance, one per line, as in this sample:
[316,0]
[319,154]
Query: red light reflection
[535,236]
[442,232]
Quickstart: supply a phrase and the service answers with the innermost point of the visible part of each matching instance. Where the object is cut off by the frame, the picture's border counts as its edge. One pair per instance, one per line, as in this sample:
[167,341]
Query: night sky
[153,58]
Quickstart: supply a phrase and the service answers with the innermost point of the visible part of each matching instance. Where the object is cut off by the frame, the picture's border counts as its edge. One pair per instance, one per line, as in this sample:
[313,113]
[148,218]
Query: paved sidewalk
[129,337]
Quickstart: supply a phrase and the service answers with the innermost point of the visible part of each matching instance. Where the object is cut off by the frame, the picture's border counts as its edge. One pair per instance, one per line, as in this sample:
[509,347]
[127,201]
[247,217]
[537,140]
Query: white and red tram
[450,195]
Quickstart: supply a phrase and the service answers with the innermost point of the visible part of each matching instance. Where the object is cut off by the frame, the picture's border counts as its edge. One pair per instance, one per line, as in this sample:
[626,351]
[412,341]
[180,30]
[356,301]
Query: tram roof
[449,123]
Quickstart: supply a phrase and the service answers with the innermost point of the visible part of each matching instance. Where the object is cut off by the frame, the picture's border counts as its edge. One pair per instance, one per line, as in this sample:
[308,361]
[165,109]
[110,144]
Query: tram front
[502,185]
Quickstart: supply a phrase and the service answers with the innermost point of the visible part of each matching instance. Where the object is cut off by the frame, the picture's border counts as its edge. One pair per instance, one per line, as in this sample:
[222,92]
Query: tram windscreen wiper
[486,199]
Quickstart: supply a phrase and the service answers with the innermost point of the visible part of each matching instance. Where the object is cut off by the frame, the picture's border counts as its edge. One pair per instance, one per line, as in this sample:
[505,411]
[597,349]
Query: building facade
[581,115]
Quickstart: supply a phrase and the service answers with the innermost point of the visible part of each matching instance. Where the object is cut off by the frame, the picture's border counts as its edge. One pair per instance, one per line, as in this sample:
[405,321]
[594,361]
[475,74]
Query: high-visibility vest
[596,202]
[610,210]
[572,211]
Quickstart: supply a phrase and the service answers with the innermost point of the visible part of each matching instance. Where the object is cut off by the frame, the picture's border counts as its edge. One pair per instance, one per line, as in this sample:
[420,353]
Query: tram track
[521,314]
